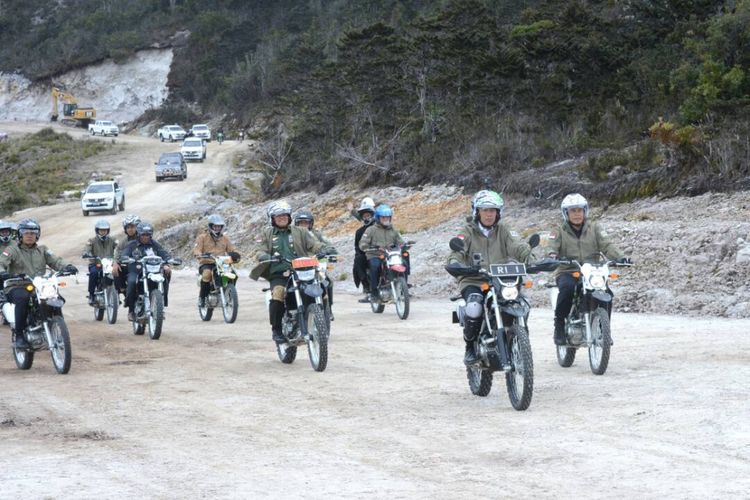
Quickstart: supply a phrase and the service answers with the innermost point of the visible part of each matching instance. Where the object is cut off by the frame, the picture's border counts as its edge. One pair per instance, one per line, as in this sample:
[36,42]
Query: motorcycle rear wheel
[602,341]
[206,312]
[287,353]
[402,298]
[520,380]
[480,381]
[317,328]
[24,359]
[156,316]
[98,313]
[229,307]
[565,355]
[60,351]
[112,301]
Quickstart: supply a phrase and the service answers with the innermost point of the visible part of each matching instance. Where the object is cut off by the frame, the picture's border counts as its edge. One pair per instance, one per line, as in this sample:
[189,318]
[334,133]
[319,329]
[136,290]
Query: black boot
[472,326]
[21,343]
[470,356]
[559,331]
[205,289]
[276,314]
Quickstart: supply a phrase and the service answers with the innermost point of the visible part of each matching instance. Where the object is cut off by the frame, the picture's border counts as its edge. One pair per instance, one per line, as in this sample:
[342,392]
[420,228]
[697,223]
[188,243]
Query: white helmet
[574,200]
[280,207]
[487,199]
[367,204]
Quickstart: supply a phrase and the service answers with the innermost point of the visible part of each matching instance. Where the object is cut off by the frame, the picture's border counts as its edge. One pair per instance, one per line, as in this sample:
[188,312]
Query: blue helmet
[383,211]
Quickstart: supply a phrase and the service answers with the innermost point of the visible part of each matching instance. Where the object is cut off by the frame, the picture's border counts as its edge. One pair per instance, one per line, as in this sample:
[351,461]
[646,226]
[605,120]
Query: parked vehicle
[503,341]
[393,288]
[223,292]
[171,165]
[105,293]
[149,305]
[193,149]
[103,196]
[171,133]
[588,324]
[104,127]
[201,131]
[304,321]
[45,327]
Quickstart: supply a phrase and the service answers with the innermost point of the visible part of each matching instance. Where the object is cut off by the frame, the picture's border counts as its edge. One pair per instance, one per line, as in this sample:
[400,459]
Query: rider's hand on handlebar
[624,260]
[70,268]
[167,271]
[116,269]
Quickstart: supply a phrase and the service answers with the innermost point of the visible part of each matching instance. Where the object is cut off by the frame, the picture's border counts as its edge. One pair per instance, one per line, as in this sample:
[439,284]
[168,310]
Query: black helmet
[101,224]
[304,215]
[143,229]
[29,225]
[215,225]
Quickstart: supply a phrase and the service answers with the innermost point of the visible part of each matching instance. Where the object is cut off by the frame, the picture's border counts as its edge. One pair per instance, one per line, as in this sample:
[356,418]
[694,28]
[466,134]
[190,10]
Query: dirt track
[209,411]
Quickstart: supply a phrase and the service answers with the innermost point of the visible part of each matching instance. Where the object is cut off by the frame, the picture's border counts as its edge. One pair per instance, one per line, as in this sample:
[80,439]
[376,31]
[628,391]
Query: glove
[264,257]
[624,260]
[70,268]
[235,256]
[330,251]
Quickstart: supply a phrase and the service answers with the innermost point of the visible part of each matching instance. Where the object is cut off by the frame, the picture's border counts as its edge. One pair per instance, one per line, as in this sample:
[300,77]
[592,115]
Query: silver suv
[171,165]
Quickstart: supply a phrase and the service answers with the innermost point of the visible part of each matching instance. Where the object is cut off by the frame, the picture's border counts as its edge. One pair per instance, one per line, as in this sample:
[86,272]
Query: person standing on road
[100,246]
[213,243]
[289,242]
[576,238]
[120,271]
[486,235]
[144,245]
[377,237]
[30,259]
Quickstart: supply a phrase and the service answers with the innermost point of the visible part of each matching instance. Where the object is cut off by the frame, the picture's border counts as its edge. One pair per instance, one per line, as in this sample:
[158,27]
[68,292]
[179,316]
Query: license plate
[503,270]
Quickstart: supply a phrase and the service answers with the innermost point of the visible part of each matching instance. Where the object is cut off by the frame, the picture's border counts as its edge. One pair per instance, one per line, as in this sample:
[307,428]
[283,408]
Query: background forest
[651,97]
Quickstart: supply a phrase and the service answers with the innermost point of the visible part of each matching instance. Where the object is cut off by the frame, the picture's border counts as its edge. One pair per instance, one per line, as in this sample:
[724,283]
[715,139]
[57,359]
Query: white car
[193,149]
[171,133]
[201,131]
[103,196]
[104,127]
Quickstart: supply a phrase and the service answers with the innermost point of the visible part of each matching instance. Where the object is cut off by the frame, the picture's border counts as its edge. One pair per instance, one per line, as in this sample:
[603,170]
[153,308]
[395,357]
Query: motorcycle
[588,324]
[223,292]
[105,295]
[392,288]
[304,320]
[220,137]
[45,327]
[149,305]
[503,341]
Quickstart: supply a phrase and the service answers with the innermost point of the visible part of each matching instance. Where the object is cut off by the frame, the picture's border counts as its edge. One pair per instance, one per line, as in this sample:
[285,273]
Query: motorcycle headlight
[306,275]
[155,277]
[150,268]
[509,293]
[598,281]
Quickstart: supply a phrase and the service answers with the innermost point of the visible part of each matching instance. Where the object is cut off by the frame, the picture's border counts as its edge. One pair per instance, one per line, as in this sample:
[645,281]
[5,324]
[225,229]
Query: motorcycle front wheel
[60,348]
[156,315]
[401,296]
[601,342]
[520,380]
[229,306]
[317,329]
[112,303]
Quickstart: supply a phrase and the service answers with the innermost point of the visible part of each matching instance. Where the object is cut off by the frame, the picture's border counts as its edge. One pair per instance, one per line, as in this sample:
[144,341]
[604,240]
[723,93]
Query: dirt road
[209,412]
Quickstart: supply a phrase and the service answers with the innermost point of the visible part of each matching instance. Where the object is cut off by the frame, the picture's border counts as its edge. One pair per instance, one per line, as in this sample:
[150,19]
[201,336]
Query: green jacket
[99,248]
[33,260]
[300,243]
[566,244]
[377,236]
[122,245]
[497,248]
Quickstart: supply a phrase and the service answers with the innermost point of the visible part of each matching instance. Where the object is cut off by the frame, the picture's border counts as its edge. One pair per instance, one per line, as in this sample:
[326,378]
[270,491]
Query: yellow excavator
[72,113]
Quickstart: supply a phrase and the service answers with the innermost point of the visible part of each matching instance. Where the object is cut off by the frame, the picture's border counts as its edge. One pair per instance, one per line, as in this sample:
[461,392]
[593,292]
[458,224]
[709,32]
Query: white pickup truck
[103,127]
[103,196]
[171,133]
[193,149]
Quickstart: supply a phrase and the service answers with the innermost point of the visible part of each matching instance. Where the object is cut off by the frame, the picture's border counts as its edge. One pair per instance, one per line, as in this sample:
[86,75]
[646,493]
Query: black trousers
[19,297]
[566,285]
[94,273]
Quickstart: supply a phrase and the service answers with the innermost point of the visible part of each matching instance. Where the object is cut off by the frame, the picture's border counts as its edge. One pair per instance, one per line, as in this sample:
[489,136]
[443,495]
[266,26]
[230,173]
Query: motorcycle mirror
[411,242]
[534,240]
[87,256]
[457,244]
[175,262]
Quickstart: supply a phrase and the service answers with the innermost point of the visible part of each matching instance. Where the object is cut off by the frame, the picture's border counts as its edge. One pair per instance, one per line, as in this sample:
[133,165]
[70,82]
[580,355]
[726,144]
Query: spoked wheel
[520,380]
[156,316]
[377,307]
[229,306]
[287,353]
[138,328]
[317,329]
[111,301]
[206,312]
[565,355]
[480,381]
[98,311]
[24,359]
[602,341]
[60,348]
[402,298]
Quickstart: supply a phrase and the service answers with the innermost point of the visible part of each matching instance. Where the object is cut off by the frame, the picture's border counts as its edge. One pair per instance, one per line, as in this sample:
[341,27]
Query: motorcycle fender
[601,296]
[55,303]
[230,276]
[398,268]
[516,310]
[313,290]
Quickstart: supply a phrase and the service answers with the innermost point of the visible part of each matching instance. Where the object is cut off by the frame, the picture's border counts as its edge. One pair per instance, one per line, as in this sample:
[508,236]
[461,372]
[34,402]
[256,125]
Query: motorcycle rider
[31,259]
[101,246]
[305,219]
[485,234]
[379,235]
[366,214]
[289,242]
[143,245]
[212,242]
[576,238]
[6,234]
[120,271]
